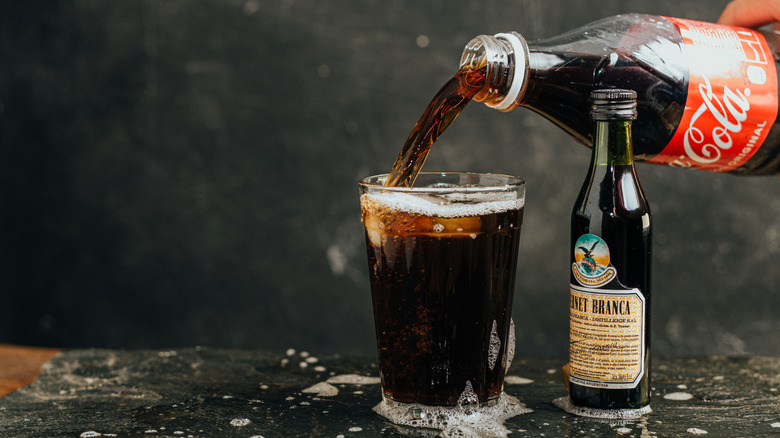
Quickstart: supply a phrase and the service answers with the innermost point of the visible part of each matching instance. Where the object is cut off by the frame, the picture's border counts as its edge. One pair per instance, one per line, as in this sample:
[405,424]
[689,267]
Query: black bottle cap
[613,104]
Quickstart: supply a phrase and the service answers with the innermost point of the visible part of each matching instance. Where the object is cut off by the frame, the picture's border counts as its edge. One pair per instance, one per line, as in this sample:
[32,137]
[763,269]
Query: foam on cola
[457,421]
[442,273]
[421,214]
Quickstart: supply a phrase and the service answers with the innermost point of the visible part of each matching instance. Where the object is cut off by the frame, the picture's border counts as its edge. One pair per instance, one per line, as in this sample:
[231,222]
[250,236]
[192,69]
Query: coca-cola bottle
[707,94]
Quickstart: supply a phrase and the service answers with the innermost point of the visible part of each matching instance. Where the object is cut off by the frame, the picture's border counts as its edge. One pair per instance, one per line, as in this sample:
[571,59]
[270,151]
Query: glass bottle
[707,94]
[610,284]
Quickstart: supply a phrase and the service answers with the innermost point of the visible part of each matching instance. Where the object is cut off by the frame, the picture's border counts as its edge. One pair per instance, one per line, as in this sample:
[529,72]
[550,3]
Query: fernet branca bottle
[610,271]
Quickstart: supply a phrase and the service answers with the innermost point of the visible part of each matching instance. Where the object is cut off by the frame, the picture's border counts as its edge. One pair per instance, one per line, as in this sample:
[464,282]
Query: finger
[751,13]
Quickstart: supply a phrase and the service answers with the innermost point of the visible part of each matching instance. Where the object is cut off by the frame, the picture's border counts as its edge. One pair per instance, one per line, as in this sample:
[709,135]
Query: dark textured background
[184,173]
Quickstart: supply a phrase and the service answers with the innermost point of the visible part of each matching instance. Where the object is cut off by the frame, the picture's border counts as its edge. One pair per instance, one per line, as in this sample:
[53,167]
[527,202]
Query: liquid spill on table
[200,392]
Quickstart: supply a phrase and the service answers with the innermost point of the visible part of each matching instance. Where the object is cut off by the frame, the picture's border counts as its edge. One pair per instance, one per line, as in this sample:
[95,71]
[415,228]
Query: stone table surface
[203,392]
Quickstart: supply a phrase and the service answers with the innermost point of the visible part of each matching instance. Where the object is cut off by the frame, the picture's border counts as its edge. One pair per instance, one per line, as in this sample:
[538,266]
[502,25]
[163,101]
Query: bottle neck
[504,57]
[612,144]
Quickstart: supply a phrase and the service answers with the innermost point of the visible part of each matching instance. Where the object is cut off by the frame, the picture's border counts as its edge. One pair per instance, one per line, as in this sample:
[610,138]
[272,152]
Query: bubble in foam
[468,400]
[461,431]
[494,347]
[696,431]
[485,420]
[414,414]
[566,404]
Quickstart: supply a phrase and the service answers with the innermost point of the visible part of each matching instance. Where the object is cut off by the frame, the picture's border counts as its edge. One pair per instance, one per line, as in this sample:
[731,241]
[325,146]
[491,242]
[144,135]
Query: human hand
[751,13]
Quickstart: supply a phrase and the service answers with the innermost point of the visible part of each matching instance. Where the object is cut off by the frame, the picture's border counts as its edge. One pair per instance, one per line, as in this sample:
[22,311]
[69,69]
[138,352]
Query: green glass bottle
[611,238]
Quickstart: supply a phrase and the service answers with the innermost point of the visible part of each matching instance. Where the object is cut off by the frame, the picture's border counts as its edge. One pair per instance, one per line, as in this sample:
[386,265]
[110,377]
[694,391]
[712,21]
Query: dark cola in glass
[442,258]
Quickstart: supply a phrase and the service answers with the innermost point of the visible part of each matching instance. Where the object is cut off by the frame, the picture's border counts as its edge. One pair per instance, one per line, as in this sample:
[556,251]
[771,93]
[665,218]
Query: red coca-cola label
[732,97]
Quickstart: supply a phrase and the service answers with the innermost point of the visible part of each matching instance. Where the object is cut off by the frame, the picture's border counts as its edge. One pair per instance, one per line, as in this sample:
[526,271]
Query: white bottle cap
[518,79]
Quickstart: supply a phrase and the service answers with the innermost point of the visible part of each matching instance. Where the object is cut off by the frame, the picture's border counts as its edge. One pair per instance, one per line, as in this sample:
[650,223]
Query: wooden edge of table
[19,366]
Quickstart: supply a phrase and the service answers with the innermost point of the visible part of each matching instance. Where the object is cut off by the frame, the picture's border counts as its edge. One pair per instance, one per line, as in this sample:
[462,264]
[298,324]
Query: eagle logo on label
[591,265]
